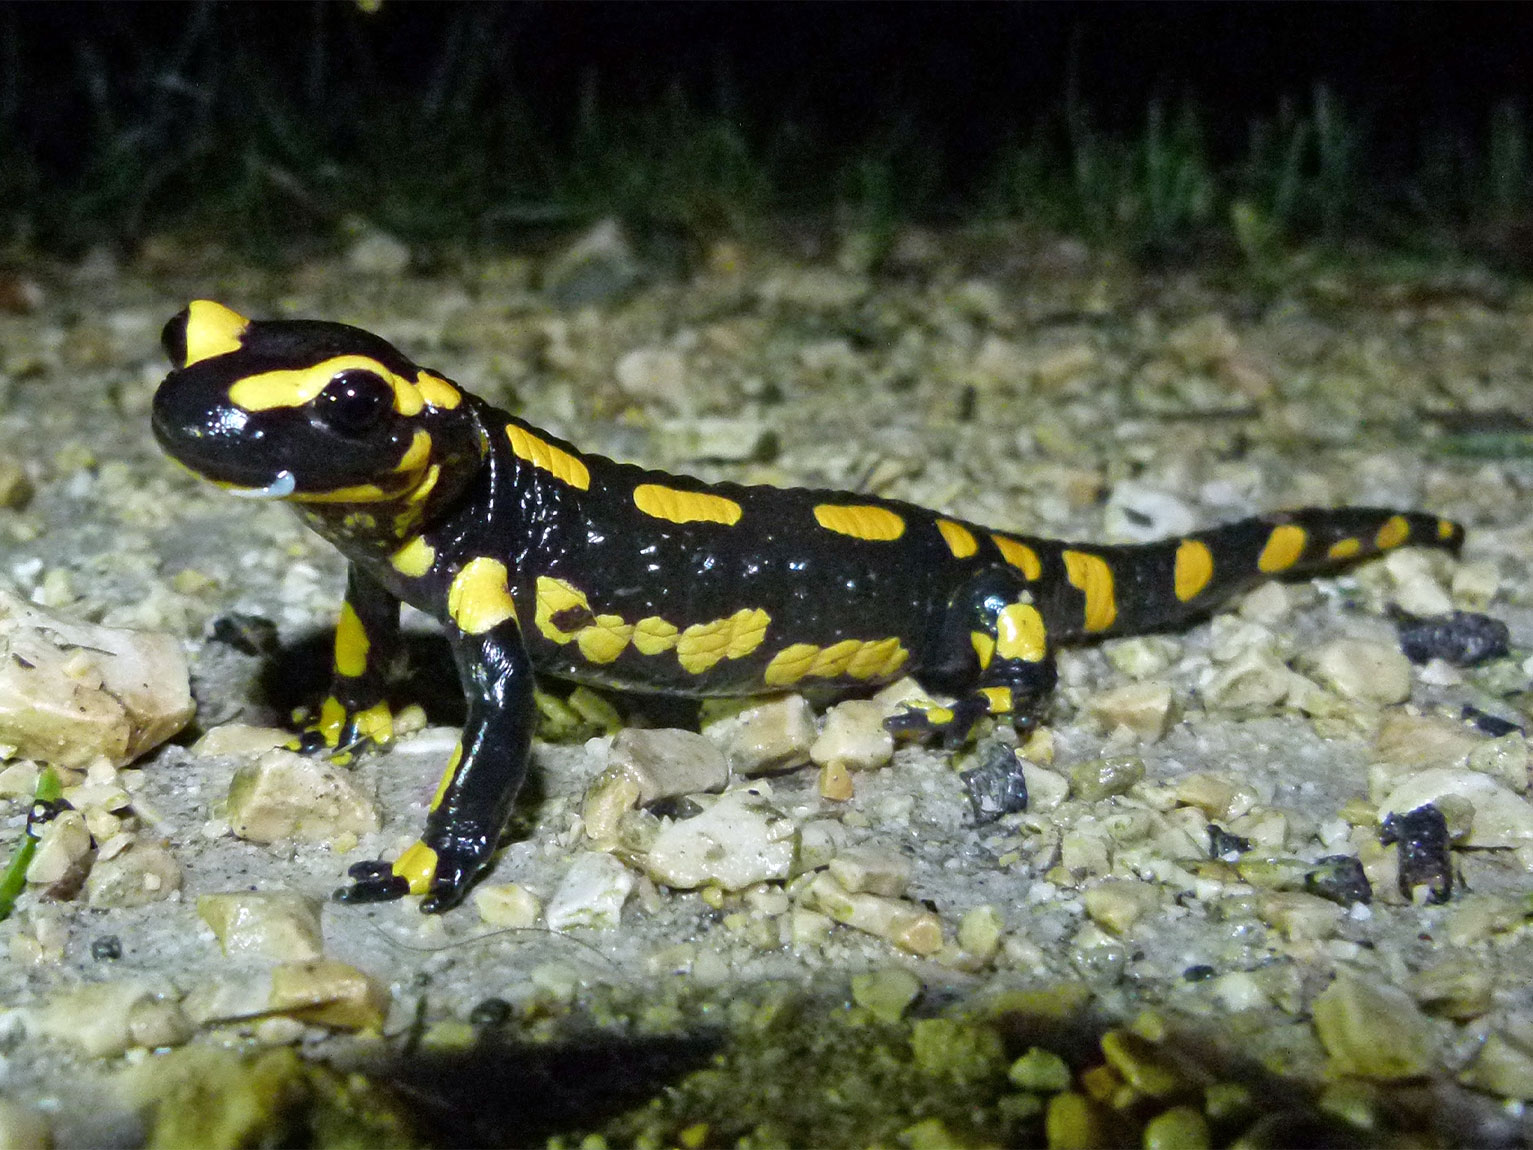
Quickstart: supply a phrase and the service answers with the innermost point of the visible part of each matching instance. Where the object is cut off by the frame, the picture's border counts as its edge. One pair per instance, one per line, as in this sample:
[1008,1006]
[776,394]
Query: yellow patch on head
[1092,577]
[361,493]
[436,391]
[296,386]
[984,646]
[1344,549]
[1394,532]
[702,645]
[1019,555]
[351,644]
[416,866]
[1283,548]
[860,521]
[417,453]
[447,776]
[959,539]
[414,558]
[685,506]
[546,457]
[653,635]
[1020,633]
[1194,568]
[999,699]
[211,330]
[789,665]
[479,598]
[604,639]
[554,597]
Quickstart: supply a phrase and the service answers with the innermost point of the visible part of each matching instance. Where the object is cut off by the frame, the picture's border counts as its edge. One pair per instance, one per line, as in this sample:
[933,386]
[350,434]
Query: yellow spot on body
[1194,568]
[351,644]
[1344,549]
[447,775]
[860,521]
[702,645]
[375,723]
[416,866]
[604,639]
[1090,575]
[212,329]
[478,598]
[546,457]
[1020,633]
[834,660]
[984,647]
[437,392]
[332,717]
[1284,546]
[652,635]
[555,596]
[790,665]
[877,657]
[1445,528]
[416,454]
[999,698]
[1394,532]
[414,558]
[1019,555]
[959,539]
[685,506]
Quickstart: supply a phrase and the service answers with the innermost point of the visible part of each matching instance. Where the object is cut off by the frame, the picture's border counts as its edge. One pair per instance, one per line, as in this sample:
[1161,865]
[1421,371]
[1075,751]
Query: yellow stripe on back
[680,506]
[1282,550]
[1090,575]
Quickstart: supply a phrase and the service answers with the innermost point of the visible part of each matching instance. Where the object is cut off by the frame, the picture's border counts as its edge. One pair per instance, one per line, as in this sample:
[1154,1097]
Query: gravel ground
[1022,384]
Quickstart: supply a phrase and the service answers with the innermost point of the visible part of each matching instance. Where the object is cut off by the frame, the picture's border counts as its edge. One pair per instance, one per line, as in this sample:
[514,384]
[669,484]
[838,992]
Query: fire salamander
[539,559]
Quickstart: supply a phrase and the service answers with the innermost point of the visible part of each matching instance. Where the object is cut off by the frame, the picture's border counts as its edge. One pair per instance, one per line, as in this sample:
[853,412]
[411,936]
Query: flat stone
[1144,708]
[1360,670]
[904,924]
[286,795]
[322,992]
[667,763]
[1373,1030]
[507,904]
[144,872]
[279,925]
[771,737]
[854,736]
[875,870]
[740,839]
[591,894]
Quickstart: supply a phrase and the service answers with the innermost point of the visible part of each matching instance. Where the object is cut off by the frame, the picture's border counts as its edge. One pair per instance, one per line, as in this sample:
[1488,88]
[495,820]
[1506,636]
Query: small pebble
[1102,778]
[1361,670]
[1422,838]
[998,786]
[1463,639]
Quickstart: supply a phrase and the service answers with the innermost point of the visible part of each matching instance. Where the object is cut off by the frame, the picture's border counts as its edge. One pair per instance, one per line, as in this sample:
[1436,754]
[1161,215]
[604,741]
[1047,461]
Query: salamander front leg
[367,653]
[473,800]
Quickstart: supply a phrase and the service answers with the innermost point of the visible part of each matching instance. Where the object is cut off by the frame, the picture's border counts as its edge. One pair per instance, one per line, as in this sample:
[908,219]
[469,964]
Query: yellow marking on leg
[702,645]
[860,521]
[417,454]
[414,558]
[375,723]
[416,866]
[1445,529]
[984,647]
[478,598]
[1019,555]
[351,644]
[332,717]
[874,658]
[1020,633]
[447,775]
[555,596]
[1344,549]
[604,639]
[1283,548]
[212,329]
[1394,532]
[999,699]
[1194,568]
[436,391]
[652,635]
[546,457]
[959,539]
[790,665]
[685,506]
[1090,575]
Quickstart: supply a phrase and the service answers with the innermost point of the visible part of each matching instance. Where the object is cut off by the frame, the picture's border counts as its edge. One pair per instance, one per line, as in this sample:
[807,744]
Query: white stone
[738,840]
[287,795]
[774,736]
[143,873]
[854,737]
[1138,513]
[871,869]
[1360,670]
[591,894]
[657,374]
[667,763]
[507,904]
[377,253]
[279,925]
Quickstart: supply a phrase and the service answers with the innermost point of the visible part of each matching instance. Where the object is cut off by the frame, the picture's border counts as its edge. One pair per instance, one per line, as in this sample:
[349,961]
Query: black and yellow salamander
[539,559]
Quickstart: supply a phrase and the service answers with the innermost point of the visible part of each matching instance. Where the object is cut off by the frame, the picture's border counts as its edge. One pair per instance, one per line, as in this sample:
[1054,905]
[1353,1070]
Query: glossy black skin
[817,586]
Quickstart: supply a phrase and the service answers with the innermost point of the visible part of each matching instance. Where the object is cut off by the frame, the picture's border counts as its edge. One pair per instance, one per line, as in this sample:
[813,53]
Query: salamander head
[314,412]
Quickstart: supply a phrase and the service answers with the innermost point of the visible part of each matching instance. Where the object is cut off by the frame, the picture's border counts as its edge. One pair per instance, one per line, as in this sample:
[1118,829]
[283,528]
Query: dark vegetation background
[1153,126]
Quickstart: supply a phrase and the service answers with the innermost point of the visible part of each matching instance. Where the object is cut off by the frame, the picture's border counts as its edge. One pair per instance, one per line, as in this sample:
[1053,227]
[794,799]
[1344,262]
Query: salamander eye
[354,401]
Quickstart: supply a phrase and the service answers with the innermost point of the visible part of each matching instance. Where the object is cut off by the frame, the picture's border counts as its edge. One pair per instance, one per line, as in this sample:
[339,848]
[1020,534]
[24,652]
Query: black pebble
[1463,638]
[996,787]
[1422,835]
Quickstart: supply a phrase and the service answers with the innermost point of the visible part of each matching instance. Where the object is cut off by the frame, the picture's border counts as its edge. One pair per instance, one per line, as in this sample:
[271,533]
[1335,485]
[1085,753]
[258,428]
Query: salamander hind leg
[994,631]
